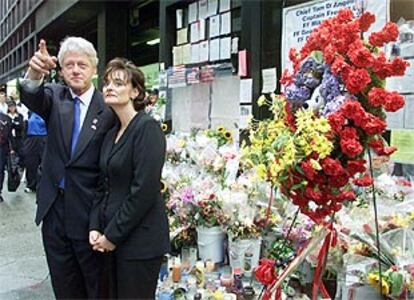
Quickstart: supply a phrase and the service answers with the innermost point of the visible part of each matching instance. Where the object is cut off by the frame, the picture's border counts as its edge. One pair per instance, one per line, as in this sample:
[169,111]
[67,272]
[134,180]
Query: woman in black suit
[128,219]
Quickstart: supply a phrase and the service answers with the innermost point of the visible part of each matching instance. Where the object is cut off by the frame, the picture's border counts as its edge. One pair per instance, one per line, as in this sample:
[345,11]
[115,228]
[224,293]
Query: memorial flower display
[330,115]
[193,180]
[312,156]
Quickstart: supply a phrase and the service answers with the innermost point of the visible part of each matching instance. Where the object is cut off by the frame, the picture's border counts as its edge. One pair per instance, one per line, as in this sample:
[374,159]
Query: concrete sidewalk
[23,270]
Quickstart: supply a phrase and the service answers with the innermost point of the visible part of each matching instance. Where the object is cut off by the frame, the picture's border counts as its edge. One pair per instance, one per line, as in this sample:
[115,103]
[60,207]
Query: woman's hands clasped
[99,242]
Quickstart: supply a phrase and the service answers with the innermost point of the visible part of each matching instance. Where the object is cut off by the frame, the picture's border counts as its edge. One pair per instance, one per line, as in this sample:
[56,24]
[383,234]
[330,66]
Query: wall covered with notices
[401,122]
[404,47]
[203,87]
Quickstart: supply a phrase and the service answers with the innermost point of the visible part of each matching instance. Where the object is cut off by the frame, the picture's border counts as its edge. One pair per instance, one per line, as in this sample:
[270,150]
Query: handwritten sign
[300,20]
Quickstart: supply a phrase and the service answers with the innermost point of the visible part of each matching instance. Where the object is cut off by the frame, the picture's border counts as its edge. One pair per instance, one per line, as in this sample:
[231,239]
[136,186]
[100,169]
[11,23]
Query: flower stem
[377,234]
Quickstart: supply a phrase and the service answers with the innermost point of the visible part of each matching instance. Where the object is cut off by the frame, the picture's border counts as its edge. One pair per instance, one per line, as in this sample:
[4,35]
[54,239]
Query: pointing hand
[41,62]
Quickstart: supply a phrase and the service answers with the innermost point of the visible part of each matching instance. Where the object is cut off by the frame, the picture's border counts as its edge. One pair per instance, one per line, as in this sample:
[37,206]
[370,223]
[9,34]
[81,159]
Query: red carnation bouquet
[331,114]
[341,77]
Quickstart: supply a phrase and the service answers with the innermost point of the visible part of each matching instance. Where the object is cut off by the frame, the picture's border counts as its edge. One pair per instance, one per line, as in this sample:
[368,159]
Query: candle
[226,280]
[199,274]
[176,272]
[210,266]
[248,260]
[248,293]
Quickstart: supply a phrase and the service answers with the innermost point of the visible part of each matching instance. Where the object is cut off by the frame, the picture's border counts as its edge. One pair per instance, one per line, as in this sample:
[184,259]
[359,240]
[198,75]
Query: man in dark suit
[77,120]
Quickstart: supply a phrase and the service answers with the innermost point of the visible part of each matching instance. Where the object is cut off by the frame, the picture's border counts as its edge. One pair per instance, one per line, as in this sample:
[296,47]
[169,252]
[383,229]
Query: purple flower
[297,94]
[310,65]
[335,105]
[306,79]
[309,74]
[311,81]
[299,236]
[329,87]
[187,195]
[299,79]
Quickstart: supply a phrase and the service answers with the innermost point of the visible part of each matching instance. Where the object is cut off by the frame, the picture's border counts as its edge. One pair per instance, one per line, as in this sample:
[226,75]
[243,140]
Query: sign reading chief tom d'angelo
[300,20]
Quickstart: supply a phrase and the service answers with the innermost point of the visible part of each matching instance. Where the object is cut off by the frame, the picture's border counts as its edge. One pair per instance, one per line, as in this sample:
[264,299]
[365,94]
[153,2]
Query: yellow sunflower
[228,136]
[220,128]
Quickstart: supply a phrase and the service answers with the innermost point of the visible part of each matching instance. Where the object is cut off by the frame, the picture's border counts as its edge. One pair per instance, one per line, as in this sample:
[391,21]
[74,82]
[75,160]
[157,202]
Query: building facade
[17,35]
[125,28]
[116,28]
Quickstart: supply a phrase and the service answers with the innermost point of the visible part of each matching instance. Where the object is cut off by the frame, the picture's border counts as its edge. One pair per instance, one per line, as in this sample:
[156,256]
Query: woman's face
[153,98]
[117,90]
[12,109]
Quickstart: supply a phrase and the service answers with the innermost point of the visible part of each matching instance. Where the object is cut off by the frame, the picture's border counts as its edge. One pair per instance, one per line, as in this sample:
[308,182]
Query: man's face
[2,97]
[77,70]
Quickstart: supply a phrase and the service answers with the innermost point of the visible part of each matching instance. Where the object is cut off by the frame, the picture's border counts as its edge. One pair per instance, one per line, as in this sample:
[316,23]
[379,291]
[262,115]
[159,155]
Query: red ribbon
[265,272]
[267,275]
[351,293]
[330,240]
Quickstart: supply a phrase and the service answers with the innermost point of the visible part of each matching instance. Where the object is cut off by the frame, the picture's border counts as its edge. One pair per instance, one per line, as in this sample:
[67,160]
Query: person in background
[5,135]
[34,145]
[77,120]
[153,97]
[128,218]
[21,108]
[17,131]
[3,104]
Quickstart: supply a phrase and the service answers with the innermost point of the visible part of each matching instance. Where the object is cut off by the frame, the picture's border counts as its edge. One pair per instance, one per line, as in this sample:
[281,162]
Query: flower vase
[210,242]
[238,248]
[188,257]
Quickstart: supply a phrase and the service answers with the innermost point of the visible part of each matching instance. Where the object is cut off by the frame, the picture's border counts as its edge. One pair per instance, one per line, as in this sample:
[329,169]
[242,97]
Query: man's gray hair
[77,44]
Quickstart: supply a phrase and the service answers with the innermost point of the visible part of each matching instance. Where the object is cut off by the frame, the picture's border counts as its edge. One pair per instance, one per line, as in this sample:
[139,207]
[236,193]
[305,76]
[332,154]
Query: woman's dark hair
[133,75]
